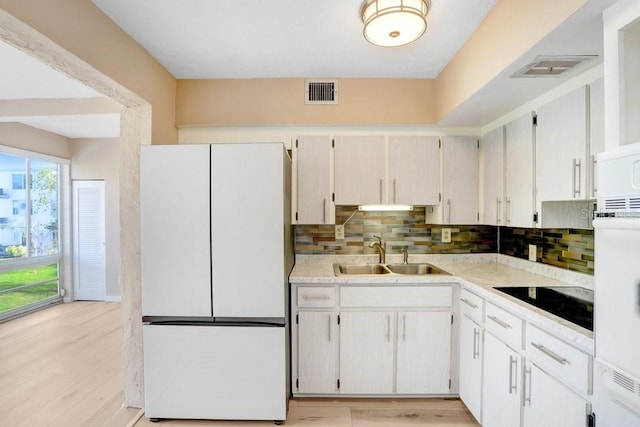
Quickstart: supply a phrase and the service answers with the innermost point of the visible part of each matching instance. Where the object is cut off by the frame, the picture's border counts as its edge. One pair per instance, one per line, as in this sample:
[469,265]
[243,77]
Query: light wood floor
[63,367]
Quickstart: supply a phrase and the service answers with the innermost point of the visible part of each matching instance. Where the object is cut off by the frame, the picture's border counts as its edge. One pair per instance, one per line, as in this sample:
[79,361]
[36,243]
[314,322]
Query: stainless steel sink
[416,269]
[376,269]
[359,269]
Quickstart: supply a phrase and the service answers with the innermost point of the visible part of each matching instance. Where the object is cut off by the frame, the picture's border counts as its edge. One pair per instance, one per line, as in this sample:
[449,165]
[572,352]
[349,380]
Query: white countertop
[479,273]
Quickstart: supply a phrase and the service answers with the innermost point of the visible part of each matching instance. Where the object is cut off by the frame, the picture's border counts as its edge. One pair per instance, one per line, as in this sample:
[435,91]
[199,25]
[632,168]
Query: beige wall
[98,159]
[238,102]
[24,137]
[510,29]
[82,29]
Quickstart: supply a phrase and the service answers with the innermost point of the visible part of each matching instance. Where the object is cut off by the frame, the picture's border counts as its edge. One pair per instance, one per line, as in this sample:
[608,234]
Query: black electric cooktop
[572,303]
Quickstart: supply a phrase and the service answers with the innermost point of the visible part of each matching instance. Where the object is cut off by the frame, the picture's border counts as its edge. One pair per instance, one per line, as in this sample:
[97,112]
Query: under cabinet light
[385,208]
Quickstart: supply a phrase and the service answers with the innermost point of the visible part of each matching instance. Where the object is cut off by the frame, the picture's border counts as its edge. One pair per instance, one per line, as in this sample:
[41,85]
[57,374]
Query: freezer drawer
[215,372]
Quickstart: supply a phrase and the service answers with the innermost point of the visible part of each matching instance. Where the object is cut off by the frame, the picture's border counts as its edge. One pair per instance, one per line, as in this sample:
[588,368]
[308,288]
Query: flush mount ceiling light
[394,22]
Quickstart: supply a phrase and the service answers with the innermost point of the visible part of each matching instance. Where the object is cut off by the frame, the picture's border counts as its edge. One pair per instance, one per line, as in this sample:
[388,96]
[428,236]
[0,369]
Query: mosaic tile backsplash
[571,249]
[566,248]
[399,229]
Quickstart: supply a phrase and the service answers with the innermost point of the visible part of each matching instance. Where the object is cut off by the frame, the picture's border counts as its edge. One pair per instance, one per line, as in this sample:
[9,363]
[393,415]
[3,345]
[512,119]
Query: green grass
[12,279]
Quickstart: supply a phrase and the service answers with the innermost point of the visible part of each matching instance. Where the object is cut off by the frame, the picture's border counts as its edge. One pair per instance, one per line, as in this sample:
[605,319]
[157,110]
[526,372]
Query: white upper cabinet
[359,170]
[414,170]
[561,148]
[596,132]
[460,181]
[313,156]
[492,149]
[372,170]
[519,201]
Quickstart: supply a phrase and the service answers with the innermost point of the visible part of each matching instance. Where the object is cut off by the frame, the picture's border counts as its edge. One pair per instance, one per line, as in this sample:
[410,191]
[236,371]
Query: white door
[313,154]
[470,374]
[317,352]
[519,170]
[366,352]
[248,211]
[359,170]
[493,169]
[174,229]
[89,276]
[460,180]
[424,352]
[414,170]
[501,386]
[208,372]
[549,403]
[561,148]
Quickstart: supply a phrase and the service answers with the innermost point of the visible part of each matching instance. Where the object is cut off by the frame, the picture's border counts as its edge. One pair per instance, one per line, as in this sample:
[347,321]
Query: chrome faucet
[405,255]
[379,244]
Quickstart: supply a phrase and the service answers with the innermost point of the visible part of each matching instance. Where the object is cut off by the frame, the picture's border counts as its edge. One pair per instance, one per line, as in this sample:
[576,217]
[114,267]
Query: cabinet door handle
[513,379]
[324,211]
[498,203]
[527,386]
[500,322]
[404,327]
[577,167]
[394,191]
[381,202]
[329,327]
[508,213]
[388,327]
[594,164]
[561,360]
[449,209]
[476,343]
[469,303]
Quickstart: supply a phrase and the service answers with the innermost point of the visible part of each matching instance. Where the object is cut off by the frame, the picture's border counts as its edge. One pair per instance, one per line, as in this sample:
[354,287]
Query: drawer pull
[500,322]
[315,297]
[551,354]
[469,303]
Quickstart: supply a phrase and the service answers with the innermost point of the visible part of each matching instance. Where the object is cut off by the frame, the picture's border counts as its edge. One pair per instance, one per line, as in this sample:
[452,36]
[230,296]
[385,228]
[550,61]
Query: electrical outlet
[533,252]
[446,235]
[339,232]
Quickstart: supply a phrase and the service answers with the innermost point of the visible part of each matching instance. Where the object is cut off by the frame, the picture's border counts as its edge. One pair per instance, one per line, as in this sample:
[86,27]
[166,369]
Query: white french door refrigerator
[617,289]
[216,250]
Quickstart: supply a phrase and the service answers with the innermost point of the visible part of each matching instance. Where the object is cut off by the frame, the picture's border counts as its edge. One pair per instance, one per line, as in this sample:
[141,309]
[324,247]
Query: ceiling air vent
[321,92]
[552,66]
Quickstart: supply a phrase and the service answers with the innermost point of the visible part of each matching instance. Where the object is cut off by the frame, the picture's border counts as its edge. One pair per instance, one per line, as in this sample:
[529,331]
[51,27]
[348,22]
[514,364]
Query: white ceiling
[198,39]
[24,78]
[292,38]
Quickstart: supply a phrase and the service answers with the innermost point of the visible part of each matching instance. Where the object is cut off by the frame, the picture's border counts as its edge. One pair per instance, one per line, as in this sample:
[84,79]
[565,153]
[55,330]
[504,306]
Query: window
[19,181]
[29,242]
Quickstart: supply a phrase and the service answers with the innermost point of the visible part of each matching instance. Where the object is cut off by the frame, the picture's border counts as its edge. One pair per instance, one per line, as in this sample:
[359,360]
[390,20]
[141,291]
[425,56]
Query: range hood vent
[552,66]
[321,92]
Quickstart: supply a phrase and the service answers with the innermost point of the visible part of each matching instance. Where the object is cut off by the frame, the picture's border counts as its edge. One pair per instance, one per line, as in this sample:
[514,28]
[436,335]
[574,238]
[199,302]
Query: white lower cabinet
[424,353]
[377,340]
[549,403]
[318,348]
[502,384]
[366,352]
[470,371]
[515,374]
